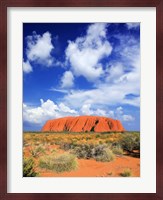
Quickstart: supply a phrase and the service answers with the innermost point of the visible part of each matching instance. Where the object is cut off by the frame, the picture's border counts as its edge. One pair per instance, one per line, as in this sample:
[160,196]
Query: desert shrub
[126,173]
[117,150]
[88,138]
[106,156]
[97,136]
[101,142]
[59,163]
[58,141]
[28,168]
[53,151]
[52,143]
[84,151]
[130,141]
[97,152]
[37,151]
[68,146]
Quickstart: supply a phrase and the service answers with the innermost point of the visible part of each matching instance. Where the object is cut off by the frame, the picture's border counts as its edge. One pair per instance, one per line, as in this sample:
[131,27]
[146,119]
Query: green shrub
[28,168]
[126,173]
[97,152]
[130,141]
[97,136]
[59,163]
[37,151]
[84,151]
[117,150]
[106,156]
[68,146]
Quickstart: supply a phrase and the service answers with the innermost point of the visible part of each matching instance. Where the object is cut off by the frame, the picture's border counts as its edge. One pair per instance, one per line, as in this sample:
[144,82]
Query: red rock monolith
[83,124]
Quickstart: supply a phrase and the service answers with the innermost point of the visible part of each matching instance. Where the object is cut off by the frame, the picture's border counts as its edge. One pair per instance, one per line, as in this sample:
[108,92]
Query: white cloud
[122,116]
[100,112]
[128,118]
[119,114]
[86,109]
[122,77]
[27,68]
[111,114]
[39,48]
[114,72]
[133,25]
[85,53]
[47,110]
[66,109]
[67,80]
[119,110]
[59,90]
[105,94]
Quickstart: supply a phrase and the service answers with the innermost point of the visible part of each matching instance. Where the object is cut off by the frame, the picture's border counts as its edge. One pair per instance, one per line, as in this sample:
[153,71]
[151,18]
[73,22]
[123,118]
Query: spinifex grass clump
[126,173]
[117,150]
[28,168]
[36,151]
[106,156]
[59,163]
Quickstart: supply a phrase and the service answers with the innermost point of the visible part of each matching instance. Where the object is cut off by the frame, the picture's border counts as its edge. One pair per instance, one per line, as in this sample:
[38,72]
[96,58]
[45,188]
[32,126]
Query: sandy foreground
[92,168]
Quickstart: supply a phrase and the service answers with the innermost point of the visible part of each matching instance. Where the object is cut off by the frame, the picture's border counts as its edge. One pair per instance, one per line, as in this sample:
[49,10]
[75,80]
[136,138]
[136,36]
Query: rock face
[83,124]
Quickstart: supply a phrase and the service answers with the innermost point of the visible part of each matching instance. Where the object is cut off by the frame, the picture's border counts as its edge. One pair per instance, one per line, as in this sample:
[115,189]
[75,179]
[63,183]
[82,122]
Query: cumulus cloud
[39,48]
[105,94]
[47,110]
[67,80]
[111,114]
[117,113]
[121,77]
[85,53]
[50,110]
[122,116]
[27,68]
[114,72]
[87,110]
[133,25]
[66,109]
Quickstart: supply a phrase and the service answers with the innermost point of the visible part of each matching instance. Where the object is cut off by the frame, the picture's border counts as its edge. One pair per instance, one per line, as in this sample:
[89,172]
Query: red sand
[92,168]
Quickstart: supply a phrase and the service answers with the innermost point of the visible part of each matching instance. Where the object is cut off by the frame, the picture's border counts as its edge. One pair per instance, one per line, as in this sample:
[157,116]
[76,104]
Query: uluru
[83,124]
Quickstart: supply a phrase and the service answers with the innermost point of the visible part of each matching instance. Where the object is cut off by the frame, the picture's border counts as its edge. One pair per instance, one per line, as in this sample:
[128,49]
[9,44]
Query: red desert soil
[83,124]
[92,168]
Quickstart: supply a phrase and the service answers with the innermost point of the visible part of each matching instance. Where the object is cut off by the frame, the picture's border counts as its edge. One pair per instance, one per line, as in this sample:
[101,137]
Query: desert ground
[81,154]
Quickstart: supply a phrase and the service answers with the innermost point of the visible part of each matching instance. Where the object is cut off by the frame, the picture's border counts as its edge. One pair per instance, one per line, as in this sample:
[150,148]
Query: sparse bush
[130,141]
[67,146]
[110,173]
[37,151]
[126,173]
[97,152]
[97,136]
[117,150]
[59,163]
[84,151]
[28,168]
[106,156]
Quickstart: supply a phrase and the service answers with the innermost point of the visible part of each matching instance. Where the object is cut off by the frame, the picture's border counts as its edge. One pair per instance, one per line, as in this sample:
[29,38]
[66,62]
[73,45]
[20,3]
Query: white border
[144,184]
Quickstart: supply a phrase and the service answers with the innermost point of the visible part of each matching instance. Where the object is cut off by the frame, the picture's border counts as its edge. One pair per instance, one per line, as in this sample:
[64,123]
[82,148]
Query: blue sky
[72,69]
